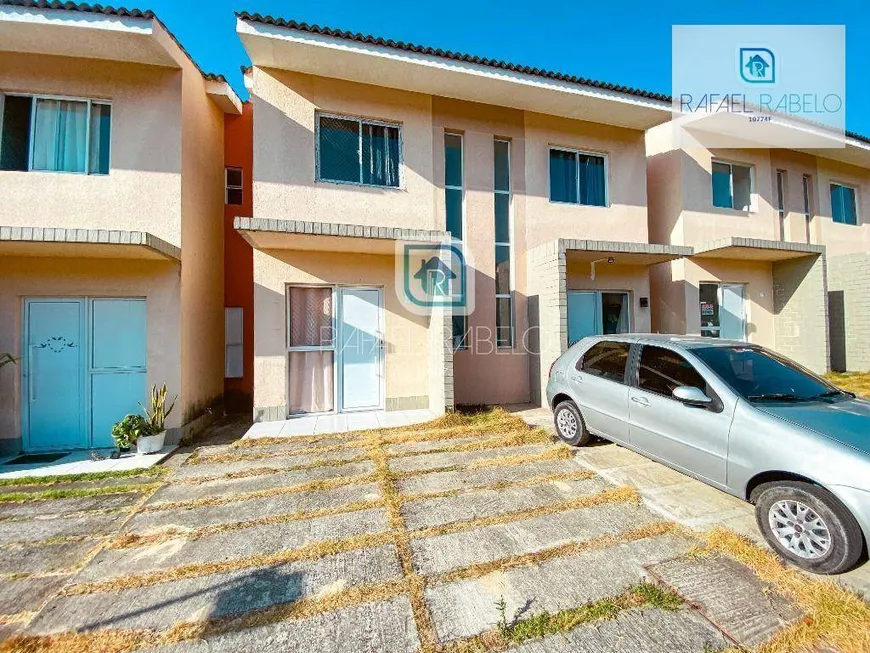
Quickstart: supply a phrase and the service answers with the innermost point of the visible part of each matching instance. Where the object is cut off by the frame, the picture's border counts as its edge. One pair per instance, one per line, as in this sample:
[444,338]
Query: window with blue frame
[844,208]
[732,186]
[453,206]
[578,177]
[357,151]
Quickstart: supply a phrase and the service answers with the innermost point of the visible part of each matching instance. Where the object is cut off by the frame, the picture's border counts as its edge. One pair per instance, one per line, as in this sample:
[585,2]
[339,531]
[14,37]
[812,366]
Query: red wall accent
[238,255]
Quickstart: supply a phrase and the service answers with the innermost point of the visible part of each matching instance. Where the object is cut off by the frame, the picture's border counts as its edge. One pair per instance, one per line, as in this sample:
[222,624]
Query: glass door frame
[335,348]
[720,289]
[305,348]
[599,309]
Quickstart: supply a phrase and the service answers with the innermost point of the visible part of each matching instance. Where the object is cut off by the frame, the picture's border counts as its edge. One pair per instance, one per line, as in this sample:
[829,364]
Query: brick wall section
[548,313]
[849,276]
[800,308]
[441,395]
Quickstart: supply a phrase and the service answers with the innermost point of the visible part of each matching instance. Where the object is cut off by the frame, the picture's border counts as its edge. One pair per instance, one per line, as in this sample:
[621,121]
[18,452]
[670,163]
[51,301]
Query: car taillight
[550,373]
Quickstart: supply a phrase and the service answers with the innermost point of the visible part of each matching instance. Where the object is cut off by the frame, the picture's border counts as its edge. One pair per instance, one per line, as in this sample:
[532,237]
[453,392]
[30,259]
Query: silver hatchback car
[736,416]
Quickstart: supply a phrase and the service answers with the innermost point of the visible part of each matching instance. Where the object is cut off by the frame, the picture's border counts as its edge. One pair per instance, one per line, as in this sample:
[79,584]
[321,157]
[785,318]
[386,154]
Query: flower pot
[150,443]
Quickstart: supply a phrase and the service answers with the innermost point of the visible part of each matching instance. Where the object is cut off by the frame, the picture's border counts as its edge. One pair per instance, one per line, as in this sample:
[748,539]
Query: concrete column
[548,313]
[800,311]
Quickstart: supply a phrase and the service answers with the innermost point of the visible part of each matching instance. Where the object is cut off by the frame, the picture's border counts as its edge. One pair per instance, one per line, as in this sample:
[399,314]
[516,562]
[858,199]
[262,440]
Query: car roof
[687,342]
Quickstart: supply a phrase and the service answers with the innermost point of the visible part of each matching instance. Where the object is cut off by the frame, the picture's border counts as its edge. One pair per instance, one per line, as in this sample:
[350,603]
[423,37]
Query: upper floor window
[55,134]
[844,208]
[358,151]
[233,179]
[578,177]
[732,186]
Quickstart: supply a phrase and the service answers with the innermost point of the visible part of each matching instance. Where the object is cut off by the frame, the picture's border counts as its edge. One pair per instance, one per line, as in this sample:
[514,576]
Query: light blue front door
[584,317]
[360,338]
[117,369]
[85,369]
[53,375]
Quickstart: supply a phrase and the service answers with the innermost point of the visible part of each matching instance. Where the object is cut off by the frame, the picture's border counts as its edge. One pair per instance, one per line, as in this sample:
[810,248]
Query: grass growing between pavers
[653,529]
[75,493]
[151,472]
[622,494]
[131,540]
[836,619]
[513,632]
[504,430]
[857,382]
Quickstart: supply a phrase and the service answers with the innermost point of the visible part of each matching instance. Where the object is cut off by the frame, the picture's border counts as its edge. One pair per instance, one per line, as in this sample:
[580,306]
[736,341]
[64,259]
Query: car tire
[570,427]
[785,504]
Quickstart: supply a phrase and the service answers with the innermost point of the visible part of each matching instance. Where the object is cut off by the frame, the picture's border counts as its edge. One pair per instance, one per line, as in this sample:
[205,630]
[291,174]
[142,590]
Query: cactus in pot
[155,415]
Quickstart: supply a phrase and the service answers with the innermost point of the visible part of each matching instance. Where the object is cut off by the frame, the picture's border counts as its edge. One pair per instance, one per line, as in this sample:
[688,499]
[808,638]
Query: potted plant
[155,416]
[128,431]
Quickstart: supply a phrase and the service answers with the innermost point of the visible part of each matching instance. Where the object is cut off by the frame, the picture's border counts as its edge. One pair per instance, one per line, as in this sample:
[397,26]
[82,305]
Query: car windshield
[759,375]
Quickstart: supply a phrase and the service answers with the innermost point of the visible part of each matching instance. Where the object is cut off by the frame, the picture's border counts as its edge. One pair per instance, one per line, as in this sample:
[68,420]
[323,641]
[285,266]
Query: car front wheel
[569,424]
[808,525]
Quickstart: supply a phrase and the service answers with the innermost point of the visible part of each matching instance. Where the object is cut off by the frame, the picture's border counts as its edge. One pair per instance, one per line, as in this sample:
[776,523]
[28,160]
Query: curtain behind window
[380,155]
[591,169]
[60,136]
[563,176]
[310,373]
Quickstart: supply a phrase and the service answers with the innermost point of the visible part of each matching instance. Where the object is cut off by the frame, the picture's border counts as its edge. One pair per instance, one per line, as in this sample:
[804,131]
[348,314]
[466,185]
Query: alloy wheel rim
[799,529]
[567,424]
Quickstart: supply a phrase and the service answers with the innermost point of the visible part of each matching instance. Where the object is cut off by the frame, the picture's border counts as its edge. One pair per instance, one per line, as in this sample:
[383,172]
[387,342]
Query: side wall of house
[849,312]
[202,238]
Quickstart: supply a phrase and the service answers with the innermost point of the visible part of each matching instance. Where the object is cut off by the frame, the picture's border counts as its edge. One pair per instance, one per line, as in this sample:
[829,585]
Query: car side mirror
[691,396]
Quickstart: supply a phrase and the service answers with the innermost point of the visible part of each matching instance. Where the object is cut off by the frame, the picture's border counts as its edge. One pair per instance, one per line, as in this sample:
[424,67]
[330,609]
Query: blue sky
[623,42]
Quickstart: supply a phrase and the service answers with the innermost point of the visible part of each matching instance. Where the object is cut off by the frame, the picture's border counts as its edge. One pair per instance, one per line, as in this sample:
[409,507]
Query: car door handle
[643,401]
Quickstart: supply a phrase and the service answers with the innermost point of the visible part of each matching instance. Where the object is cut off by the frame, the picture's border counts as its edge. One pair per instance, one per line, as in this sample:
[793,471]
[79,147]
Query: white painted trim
[753,192]
[80,19]
[429,61]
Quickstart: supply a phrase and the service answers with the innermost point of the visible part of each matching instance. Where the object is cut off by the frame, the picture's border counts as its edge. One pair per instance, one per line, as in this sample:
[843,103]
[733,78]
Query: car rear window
[606,360]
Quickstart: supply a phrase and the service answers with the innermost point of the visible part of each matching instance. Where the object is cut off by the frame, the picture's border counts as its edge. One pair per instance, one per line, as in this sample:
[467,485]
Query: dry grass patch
[266,471]
[501,485]
[402,541]
[836,618]
[512,632]
[131,540]
[615,495]
[857,382]
[653,529]
[309,552]
[197,459]
[310,486]
[151,472]
[73,493]
[510,439]
[559,452]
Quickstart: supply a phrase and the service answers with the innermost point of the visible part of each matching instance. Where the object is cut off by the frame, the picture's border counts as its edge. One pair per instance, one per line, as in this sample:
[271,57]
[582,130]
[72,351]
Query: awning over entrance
[302,235]
[754,249]
[622,253]
[84,243]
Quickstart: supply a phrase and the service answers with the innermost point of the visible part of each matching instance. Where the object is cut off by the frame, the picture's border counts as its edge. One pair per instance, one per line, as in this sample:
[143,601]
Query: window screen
[606,360]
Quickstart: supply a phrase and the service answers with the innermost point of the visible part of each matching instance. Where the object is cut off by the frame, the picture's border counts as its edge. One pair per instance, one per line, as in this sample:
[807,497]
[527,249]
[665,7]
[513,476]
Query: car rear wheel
[569,424]
[808,525]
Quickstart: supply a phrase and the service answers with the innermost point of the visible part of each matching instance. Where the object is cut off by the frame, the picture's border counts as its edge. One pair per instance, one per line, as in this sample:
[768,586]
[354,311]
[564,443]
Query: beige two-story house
[111,172]
[778,240]
[362,145]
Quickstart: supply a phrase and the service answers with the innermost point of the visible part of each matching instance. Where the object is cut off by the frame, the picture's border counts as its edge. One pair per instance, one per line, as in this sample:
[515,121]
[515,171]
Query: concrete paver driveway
[469,534]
